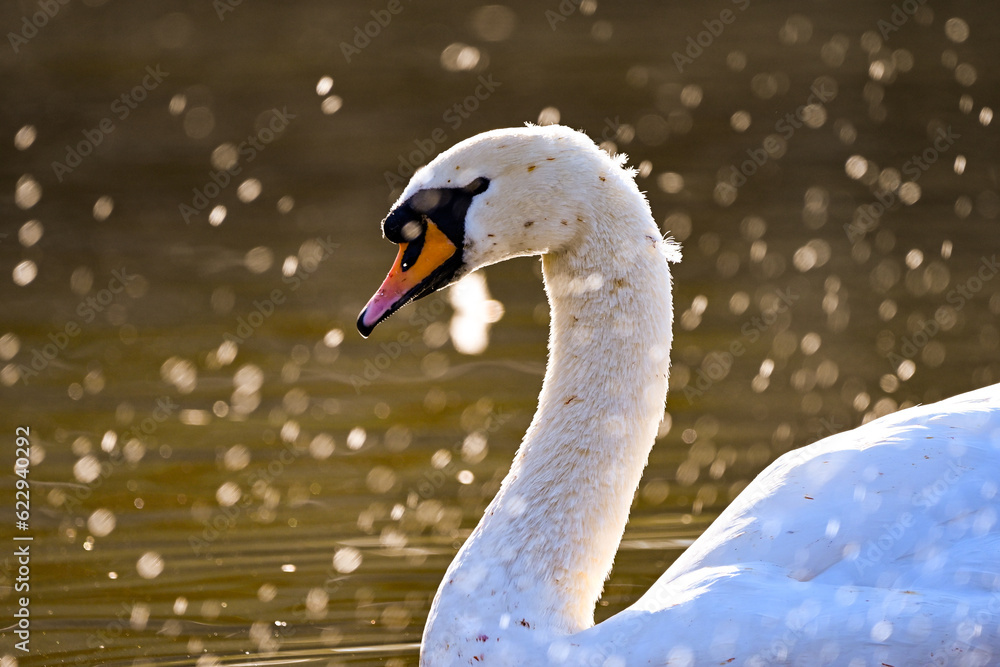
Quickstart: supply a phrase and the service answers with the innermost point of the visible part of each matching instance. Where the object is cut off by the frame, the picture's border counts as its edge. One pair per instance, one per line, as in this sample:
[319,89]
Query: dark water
[224,472]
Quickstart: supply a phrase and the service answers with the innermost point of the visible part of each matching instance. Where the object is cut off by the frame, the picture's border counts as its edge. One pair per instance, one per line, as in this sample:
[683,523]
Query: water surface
[224,472]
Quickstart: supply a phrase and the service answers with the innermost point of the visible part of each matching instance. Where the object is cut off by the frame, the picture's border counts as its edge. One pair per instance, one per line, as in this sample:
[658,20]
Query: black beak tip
[364,329]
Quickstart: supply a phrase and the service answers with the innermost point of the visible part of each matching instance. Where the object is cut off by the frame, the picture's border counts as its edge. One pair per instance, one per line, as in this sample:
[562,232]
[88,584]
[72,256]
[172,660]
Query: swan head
[500,194]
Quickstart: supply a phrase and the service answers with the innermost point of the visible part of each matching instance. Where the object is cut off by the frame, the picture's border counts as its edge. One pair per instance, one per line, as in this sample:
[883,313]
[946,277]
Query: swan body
[878,546]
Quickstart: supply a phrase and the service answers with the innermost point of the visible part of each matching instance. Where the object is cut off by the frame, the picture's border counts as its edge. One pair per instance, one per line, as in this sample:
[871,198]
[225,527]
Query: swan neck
[600,407]
[541,553]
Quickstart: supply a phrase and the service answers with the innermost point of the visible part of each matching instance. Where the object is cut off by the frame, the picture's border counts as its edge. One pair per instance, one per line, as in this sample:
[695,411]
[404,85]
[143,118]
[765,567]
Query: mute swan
[878,546]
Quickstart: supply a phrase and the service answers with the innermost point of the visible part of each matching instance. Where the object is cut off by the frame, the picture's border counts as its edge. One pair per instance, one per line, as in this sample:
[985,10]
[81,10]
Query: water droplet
[25,137]
[149,565]
[331,104]
[324,85]
[740,121]
[322,446]
[458,57]
[27,192]
[103,208]
[356,438]
[333,338]
[248,190]
[224,157]
[856,166]
[493,23]
[957,30]
[87,469]
[217,215]
[177,104]
[236,457]
[317,600]
[199,122]
[346,560]
[548,116]
[25,272]
[228,494]
[101,522]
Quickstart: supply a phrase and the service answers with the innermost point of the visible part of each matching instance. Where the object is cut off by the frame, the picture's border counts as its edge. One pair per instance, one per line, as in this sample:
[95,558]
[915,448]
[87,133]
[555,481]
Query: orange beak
[405,283]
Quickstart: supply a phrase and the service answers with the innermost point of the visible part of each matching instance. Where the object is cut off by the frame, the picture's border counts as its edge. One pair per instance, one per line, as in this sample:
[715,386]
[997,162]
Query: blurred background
[224,473]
